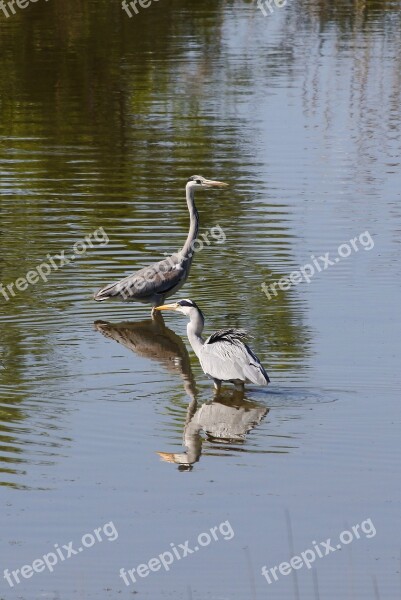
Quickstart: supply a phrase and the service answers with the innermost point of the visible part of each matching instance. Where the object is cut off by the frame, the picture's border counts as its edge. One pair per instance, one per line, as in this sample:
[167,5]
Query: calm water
[103,118]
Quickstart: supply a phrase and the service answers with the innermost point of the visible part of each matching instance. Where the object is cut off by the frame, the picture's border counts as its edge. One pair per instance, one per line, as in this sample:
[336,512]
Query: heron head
[197,181]
[186,307]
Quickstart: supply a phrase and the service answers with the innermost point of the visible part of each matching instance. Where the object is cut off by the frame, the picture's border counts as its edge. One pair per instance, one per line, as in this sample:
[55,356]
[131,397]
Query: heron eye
[198,181]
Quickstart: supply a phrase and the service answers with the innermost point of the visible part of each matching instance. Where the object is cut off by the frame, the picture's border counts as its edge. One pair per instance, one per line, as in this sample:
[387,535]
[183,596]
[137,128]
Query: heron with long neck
[153,284]
[223,355]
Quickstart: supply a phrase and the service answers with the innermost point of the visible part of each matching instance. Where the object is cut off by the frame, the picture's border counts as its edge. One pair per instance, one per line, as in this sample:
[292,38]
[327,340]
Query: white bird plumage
[223,355]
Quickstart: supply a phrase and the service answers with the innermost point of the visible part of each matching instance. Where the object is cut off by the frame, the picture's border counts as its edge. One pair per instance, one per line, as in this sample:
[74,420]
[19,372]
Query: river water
[103,119]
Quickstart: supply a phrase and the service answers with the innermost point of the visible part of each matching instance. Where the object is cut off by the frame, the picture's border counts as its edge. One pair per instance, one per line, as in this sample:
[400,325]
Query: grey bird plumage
[223,355]
[153,284]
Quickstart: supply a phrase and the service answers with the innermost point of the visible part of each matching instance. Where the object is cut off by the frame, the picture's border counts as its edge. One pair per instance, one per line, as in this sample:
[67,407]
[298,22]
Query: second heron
[153,284]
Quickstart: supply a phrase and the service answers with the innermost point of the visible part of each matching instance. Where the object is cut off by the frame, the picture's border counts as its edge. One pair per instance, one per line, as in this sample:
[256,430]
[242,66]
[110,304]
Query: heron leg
[156,302]
[217,385]
[156,314]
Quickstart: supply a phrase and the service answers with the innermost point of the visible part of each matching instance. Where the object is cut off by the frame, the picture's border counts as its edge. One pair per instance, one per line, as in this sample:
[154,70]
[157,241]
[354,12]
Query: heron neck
[187,249]
[194,332]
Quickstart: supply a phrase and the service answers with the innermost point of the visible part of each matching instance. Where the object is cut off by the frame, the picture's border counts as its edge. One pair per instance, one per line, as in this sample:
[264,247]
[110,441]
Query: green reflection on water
[102,120]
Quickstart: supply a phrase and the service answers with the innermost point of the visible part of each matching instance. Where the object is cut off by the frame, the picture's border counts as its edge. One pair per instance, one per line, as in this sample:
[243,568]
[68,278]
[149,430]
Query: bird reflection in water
[224,420]
[154,340]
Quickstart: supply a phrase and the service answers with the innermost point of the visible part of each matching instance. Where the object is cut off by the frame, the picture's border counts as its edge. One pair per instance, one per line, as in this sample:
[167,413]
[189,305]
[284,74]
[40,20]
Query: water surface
[103,119]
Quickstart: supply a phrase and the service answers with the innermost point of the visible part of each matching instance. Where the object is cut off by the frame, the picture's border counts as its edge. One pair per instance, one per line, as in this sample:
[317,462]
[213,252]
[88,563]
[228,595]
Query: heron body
[153,284]
[223,355]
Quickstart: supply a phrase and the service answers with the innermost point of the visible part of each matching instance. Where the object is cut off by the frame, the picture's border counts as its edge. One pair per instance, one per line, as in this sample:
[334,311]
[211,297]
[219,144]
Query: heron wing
[224,356]
[229,335]
[154,279]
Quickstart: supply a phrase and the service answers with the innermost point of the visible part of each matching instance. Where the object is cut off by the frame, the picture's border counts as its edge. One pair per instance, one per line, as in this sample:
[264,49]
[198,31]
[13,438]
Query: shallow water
[103,118]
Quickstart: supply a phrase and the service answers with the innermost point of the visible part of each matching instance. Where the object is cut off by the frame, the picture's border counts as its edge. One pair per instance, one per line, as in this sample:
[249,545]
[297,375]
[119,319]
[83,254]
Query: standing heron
[223,355]
[153,284]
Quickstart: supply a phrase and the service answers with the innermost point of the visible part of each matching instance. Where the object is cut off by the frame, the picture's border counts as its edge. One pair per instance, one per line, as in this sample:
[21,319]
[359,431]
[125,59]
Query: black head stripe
[191,304]
[186,303]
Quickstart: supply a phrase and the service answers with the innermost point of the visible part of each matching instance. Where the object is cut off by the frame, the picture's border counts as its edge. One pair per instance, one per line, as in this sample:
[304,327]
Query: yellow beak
[212,183]
[167,307]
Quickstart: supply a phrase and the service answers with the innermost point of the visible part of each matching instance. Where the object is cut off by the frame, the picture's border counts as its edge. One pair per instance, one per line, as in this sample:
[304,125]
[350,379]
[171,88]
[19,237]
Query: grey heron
[223,355]
[153,284]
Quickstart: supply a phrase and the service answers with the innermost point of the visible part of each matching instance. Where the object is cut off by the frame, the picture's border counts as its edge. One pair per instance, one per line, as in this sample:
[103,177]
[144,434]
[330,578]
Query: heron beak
[212,183]
[167,307]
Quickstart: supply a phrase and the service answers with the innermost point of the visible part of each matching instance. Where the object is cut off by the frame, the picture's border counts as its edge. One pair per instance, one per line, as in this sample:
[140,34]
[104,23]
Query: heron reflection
[152,339]
[225,420]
